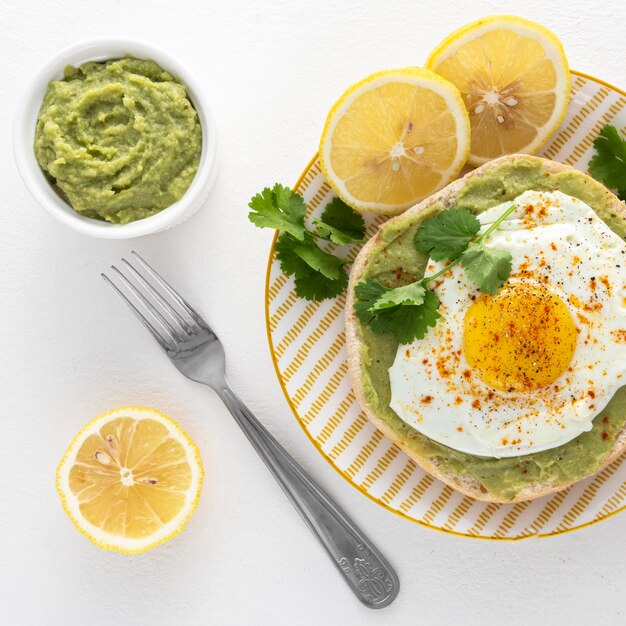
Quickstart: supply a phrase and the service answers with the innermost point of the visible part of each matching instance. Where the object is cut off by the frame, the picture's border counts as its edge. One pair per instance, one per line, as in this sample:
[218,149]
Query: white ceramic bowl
[24,136]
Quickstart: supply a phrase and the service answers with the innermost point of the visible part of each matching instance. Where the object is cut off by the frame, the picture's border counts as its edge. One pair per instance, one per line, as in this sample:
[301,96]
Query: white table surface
[70,350]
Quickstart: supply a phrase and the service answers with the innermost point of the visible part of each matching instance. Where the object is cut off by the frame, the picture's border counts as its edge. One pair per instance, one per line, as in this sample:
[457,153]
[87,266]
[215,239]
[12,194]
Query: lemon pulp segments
[394,138]
[130,479]
[514,78]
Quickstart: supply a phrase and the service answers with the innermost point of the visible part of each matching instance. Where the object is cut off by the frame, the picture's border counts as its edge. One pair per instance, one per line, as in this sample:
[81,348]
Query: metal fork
[197,353]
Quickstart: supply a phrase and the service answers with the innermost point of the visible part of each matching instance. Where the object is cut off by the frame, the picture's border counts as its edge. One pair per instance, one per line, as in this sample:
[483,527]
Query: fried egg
[526,369]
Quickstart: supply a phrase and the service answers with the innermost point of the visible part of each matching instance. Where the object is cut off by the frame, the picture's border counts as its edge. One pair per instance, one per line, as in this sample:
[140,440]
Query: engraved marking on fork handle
[375,585]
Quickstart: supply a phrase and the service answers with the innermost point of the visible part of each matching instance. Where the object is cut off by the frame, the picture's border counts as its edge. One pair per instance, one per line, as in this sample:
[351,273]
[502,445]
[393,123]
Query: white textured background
[70,350]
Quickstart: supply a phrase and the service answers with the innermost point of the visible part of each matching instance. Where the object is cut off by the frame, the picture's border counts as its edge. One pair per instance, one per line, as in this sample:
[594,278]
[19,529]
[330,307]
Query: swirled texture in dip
[120,140]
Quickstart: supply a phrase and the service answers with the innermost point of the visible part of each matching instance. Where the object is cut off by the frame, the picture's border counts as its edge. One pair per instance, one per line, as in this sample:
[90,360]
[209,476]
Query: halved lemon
[130,479]
[515,81]
[394,138]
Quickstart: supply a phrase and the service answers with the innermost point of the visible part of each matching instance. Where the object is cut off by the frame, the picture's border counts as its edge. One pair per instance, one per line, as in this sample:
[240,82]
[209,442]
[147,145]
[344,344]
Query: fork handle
[366,571]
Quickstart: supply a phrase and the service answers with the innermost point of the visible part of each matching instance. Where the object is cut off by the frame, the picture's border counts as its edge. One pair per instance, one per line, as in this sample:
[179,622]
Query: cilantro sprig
[608,165]
[407,314]
[318,274]
[410,310]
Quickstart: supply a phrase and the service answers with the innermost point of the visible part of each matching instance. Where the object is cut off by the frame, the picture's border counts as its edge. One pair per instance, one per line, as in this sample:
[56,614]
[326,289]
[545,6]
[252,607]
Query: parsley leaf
[446,235]
[487,267]
[608,165]
[406,321]
[340,224]
[279,208]
[412,294]
[317,287]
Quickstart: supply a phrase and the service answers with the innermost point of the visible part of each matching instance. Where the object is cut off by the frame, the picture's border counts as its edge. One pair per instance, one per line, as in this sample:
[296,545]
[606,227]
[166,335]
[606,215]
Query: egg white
[566,245]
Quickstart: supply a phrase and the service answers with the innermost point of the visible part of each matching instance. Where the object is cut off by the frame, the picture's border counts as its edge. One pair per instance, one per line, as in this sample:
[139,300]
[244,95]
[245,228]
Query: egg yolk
[520,339]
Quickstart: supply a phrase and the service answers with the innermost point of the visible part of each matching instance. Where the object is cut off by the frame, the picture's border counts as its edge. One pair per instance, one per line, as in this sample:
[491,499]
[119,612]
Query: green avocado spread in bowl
[119,140]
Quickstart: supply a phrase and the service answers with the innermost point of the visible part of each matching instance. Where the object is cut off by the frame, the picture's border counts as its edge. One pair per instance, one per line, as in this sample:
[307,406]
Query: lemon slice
[130,479]
[515,82]
[394,138]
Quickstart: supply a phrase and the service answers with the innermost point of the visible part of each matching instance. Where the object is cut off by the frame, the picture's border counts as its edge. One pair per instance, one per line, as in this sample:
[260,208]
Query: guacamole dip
[395,262]
[120,140]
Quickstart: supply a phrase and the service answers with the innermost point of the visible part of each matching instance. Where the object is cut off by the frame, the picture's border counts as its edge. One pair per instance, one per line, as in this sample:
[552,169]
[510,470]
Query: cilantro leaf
[608,165]
[316,286]
[412,294]
[290,262]
[279,208]
[310,266]
[367,292]
[323,262]
[487,267]
[326,231]
[446,235]
[412,322]
[340,224]
[406,321]
[318,274]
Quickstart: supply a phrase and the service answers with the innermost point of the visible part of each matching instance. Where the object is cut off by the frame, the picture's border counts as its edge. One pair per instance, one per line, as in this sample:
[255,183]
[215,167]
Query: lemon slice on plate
[394,138]
[130,479]
[515,82]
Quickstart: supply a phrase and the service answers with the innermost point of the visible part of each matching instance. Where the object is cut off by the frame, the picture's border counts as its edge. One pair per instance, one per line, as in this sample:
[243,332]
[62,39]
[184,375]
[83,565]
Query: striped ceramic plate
[307,346]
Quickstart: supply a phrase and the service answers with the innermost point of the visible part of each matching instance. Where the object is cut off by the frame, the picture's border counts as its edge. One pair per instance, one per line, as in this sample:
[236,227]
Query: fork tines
[168,317]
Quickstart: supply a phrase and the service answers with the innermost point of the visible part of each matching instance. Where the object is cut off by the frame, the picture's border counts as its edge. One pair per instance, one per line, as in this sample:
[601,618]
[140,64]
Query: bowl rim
[25,119]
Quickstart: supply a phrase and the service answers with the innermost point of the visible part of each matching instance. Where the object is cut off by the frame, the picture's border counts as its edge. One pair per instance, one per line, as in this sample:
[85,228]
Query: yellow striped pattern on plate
[307,346]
